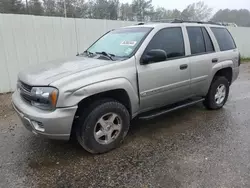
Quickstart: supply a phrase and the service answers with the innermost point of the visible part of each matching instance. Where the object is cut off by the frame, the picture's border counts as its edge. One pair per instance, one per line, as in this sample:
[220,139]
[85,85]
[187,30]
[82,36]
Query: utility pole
[65,10]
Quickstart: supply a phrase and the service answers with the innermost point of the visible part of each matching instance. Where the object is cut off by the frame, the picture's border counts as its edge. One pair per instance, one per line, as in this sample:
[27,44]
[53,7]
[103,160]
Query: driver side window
[170,40]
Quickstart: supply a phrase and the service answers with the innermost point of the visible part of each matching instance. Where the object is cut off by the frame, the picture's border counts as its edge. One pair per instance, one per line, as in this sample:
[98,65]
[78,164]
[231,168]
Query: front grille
[26,87]
[25,91]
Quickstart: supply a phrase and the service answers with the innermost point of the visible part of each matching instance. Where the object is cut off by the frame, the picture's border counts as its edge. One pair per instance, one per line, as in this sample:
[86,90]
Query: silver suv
[144,70]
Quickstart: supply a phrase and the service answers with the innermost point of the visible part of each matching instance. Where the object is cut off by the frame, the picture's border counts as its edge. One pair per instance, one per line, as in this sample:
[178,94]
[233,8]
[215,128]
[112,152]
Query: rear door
[227,46]
[202,55]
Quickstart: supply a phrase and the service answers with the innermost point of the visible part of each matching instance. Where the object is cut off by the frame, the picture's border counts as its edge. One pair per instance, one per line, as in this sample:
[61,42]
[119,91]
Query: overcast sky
[215,4]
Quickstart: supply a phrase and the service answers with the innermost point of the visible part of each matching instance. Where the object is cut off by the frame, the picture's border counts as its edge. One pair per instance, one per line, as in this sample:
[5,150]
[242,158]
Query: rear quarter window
[224,38]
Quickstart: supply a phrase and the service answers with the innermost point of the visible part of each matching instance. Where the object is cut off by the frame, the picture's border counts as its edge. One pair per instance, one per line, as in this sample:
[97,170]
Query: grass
[245,59]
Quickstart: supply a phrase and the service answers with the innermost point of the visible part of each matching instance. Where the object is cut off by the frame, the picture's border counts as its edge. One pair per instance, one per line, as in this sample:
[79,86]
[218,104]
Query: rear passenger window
[223,38]
[196,39]
[170,40]
[208,42]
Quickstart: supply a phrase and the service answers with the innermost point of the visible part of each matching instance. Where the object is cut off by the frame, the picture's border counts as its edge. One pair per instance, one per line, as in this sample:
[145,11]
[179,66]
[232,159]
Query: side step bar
[165,111]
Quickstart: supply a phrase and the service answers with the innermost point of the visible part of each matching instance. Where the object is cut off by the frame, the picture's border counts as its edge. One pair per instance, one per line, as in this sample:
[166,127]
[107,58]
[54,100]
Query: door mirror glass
[155,55]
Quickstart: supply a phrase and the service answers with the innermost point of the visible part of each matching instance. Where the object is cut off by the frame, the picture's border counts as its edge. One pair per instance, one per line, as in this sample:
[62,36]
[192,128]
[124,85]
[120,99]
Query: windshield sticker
[128,43]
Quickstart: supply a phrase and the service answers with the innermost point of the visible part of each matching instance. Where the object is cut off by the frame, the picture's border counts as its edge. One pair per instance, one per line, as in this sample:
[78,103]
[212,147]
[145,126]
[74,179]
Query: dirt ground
[5,105]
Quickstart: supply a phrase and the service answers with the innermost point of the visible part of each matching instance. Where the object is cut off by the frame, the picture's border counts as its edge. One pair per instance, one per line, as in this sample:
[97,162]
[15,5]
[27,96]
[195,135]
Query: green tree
[35,7]
[49,7]
[168,15]
[80,8]
[160,13]
[74,8]
[126,12]
[176,14]
[89,9]
[60,8]
[104,9]
[101,9]
[142,9]
[113,9]
[12,6]
[240,17]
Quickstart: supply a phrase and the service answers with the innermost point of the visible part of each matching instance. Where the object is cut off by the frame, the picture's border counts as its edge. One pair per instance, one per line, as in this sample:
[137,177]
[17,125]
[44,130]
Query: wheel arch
[119,95]
[226,72]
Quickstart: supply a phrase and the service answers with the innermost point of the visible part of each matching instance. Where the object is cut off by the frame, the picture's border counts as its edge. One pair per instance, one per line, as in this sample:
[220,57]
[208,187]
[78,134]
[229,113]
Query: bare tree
[196,11]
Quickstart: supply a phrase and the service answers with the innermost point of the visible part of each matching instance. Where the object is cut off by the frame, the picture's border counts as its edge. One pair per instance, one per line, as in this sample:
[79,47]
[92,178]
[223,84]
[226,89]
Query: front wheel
[103,127]
[217,94]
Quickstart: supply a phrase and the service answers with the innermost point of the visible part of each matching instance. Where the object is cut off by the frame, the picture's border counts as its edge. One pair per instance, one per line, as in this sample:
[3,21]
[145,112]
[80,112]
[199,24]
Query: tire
[88,126]
[213,102]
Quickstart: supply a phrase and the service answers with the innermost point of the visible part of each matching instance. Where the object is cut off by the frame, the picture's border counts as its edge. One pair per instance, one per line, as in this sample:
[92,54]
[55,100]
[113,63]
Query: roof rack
[163,20]
[156,21]
[179,21]
[199,22]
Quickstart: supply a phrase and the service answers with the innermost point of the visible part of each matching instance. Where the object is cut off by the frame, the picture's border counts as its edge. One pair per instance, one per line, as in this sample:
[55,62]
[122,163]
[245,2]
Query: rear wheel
[217,94]
[103,127]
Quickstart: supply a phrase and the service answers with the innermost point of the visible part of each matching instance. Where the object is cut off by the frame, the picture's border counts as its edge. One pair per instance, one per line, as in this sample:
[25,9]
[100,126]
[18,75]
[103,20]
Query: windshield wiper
[87,52]
[110,56]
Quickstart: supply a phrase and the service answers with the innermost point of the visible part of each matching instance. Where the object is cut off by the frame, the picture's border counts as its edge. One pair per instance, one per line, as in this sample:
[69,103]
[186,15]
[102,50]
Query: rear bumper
[55,125]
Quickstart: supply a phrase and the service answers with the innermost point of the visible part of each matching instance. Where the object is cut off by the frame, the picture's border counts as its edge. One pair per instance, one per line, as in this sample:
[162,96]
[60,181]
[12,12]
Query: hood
[45,74]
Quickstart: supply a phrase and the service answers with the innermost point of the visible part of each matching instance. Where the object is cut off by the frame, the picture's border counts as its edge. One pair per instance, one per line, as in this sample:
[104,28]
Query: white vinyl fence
[241,36]
[30,40]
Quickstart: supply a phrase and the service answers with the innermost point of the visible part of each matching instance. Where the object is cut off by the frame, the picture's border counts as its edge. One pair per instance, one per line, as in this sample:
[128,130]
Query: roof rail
[163,20]
[199,22]
[178,21]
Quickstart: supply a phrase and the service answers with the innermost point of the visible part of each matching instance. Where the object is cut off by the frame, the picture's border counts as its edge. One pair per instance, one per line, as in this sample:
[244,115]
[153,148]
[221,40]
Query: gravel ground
[188,148]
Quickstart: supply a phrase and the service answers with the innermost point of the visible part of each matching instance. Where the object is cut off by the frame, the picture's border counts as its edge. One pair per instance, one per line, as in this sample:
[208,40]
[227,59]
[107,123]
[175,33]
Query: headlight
[44,97]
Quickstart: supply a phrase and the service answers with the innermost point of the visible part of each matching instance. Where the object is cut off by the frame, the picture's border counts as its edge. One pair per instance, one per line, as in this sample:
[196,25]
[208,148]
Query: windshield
[120,42]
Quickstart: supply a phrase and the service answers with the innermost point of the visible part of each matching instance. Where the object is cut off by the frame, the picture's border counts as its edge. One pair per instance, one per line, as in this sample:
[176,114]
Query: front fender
[72,98]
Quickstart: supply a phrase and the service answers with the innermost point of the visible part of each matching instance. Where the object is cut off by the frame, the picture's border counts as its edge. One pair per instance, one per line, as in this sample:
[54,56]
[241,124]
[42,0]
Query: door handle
[184,66]
[215,60]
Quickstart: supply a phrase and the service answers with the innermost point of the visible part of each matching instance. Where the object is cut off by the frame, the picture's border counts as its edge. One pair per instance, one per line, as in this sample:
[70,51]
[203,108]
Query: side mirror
[155,55]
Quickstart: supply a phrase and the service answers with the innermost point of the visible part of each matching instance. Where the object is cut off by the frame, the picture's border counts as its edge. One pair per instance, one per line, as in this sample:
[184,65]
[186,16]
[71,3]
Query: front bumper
[52,124]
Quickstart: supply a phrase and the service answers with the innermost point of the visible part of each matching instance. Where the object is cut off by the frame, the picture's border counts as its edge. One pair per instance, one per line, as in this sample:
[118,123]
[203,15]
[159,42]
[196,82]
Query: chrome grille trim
[25,91]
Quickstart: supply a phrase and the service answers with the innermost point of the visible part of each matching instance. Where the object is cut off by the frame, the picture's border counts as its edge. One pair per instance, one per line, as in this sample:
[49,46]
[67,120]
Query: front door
[165,82]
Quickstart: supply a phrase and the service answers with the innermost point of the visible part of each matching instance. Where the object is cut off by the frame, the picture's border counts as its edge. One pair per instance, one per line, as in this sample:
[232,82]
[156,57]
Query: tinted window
[170,40]
[208,41]
[196,39]
[224,38]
